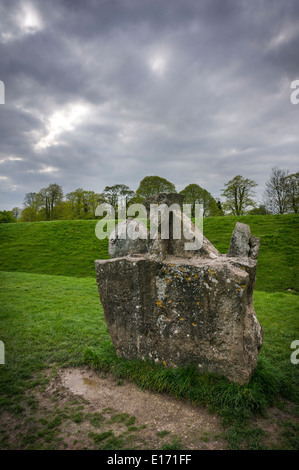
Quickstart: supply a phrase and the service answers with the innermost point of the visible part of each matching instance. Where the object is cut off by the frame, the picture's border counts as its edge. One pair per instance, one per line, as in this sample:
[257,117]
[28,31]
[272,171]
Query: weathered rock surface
[243,244]
[122,239]
[180,308]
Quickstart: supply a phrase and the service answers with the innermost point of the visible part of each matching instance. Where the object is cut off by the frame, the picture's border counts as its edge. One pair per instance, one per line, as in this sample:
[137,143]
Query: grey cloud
[217,106]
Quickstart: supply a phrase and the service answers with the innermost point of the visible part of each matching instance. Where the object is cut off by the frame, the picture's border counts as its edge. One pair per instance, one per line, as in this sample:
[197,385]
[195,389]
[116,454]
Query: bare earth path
[160,413]
[80,408]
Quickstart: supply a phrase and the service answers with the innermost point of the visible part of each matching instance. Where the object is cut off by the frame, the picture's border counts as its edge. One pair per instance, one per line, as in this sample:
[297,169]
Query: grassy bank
[69,248]
[66,248]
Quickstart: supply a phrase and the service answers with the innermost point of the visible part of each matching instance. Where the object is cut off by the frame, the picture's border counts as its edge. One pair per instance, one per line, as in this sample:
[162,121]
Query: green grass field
[69,248]
[49,319]
[50,314]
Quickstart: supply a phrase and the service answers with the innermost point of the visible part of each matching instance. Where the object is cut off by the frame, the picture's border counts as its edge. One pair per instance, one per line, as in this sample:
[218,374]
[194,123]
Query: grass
[50,315]
[252,435]
[174,445]
[290,435]
[278,266]
[66,248]
[49,319]
[69,248]
[46,320]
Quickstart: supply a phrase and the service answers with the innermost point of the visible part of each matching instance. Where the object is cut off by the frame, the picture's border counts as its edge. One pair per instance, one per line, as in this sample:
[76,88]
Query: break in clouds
[105,92]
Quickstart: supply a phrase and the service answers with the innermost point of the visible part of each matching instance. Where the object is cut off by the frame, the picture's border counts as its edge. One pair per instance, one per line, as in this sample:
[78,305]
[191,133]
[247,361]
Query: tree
[151,185]
[31,207]
[40,206]
[260,210]
[194,193]
[6,217]
[219,205]
[42,199]
[83,203]
[16,212]
[135,200]
[91,201]
[239,193]
[276,195]
[47,198]
[292,189]
[30,200]
[63,211]
[75,199]
[29,214]
[55,195]
[112,193]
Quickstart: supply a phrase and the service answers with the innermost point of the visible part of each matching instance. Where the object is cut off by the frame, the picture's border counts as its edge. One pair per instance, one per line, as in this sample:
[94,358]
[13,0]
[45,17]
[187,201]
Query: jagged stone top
[164,198]
[242,244]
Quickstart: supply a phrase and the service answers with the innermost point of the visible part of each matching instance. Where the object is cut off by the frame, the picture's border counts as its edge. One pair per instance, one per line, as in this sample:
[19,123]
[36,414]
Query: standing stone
[243,244]
[180,308]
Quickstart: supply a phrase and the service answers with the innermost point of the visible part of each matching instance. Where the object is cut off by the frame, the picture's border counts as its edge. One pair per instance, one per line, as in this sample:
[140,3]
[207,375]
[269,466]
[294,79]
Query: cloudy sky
[109,91]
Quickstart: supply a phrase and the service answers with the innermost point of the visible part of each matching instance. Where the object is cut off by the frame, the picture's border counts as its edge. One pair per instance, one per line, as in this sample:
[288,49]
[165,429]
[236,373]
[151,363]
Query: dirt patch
[79,408]
[161,414]
[280,426]
[82,409]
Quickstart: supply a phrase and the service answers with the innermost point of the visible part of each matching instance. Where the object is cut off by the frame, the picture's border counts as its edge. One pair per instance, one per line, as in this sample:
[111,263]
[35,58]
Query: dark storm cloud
[105,92]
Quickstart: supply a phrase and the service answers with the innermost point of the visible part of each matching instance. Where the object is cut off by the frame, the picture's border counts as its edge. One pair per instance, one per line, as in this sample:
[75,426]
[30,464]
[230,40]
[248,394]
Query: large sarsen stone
[181,310]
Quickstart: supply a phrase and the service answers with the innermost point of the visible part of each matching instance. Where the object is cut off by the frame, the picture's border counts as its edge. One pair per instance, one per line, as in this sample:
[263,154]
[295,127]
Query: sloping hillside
[70,247]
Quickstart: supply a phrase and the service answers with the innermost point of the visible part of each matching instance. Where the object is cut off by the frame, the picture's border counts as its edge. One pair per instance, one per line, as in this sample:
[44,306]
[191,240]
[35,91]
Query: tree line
[281,196]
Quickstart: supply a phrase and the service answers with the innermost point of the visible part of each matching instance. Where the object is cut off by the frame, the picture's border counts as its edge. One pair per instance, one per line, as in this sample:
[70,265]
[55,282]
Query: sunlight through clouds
[26,20]
[64,120]
[158,65]
[10,159]
[44,169]
[29,19]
